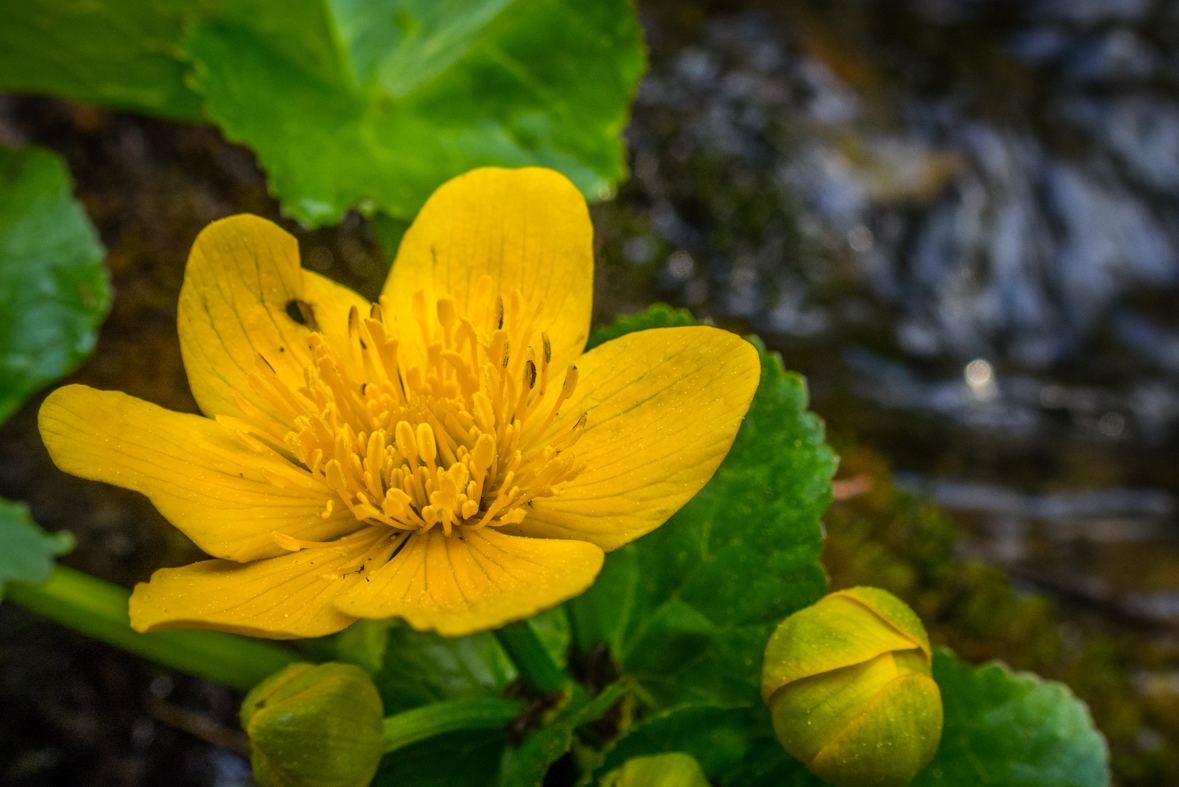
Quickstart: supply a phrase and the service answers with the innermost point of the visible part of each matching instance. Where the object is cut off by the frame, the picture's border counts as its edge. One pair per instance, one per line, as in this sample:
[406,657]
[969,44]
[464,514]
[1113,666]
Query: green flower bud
[315,726]
[849,684]
[674,769]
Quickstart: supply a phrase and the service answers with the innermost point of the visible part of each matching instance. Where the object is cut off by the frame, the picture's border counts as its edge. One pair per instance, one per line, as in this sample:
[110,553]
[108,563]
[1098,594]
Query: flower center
[452,442]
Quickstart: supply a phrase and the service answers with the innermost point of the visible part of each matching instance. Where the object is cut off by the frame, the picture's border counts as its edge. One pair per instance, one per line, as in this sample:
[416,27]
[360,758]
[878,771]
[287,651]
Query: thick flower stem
[99,609]
[421,723]
[532,661]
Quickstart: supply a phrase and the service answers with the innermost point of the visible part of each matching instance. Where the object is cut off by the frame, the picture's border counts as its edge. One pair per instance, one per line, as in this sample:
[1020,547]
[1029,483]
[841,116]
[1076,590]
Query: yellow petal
[528,229]
[890,741]
[835,633]
[279,598]
[458,586]
[895,613]
[808,713]
[199,475]
[663,407]
[242,283]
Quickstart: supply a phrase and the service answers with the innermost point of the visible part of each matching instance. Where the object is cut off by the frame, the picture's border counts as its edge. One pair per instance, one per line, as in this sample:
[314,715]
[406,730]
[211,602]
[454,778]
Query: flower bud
[315,726]
[849,684]
[674,769]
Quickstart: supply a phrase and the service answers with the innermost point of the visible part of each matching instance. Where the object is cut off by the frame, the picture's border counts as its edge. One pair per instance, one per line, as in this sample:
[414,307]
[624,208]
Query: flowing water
[960,220]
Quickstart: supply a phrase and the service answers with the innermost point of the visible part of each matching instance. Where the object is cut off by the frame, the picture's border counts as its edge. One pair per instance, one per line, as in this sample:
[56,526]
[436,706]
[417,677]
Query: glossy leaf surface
[27,551]
[366,103]
[1014,729]
[53,287]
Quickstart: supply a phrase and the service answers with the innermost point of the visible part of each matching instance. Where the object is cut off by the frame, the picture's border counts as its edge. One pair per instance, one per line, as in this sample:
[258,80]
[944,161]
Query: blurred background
[958,218]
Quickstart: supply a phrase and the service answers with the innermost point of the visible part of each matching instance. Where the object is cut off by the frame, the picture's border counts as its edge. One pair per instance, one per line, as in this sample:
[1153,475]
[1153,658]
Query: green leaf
[485,757]
[459,759]
[688,608]
[362,644]
[729,742]
[527,764]
[713,734]
[422,667]
[123,55]
[768,765]
[368,103]
[418,91]
[27,551]
[552,629]
[1012,728]
[53,287]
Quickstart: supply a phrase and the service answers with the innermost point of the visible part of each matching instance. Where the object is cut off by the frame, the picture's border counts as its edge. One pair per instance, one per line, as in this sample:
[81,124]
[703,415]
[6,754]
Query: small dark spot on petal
[303,313]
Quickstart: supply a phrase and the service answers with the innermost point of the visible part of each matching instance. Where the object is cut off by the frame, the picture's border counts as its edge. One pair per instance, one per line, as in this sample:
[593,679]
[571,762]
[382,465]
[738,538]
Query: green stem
[99,609]
[452,716]
[532,661]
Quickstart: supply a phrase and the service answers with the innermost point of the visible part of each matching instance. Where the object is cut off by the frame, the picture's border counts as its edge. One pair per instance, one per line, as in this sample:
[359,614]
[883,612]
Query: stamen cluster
[454,442]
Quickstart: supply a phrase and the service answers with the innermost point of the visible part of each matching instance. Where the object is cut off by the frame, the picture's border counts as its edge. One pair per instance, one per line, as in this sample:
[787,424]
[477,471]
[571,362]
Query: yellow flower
[446,455]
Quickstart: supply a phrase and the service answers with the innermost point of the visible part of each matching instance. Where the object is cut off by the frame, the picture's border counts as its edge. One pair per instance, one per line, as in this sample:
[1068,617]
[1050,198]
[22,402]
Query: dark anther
[530,372]
[302,313]
[400,547]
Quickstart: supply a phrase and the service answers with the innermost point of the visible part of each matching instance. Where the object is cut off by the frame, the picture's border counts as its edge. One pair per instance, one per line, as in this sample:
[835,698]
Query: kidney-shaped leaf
[1014,729]
[369,103]
[424,91]
[123,55]
[53,288]
[27,551]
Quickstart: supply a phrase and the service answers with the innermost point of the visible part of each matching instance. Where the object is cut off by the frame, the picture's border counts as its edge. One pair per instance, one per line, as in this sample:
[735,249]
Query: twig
[199,725]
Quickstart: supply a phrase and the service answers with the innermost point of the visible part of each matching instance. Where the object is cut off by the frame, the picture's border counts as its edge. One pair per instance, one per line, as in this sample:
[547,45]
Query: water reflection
[981,379]
[961,219]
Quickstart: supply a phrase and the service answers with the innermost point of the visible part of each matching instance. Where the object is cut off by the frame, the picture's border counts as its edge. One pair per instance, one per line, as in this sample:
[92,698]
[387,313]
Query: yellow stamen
[407,448]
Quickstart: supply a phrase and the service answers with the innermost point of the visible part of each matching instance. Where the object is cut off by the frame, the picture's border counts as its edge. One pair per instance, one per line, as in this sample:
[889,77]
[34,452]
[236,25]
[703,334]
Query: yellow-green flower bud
[849,684]
[315,726]
[674,769]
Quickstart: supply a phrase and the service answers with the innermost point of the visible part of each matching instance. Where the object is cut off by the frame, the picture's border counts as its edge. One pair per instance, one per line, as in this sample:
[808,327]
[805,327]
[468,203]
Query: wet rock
[1117,56]
[1111,240]
[1090,11]
[1142,131]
